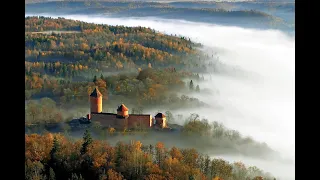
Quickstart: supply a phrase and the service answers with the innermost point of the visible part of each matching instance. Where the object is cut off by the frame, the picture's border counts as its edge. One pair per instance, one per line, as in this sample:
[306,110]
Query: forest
[65,59]
[53,156]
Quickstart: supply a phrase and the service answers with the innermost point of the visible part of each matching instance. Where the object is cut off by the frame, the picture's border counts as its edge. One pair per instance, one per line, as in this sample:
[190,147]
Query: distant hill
[243,14]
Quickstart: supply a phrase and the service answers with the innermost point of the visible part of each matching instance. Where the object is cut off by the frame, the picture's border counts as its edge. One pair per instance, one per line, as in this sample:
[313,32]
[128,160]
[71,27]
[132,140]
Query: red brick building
[121,120]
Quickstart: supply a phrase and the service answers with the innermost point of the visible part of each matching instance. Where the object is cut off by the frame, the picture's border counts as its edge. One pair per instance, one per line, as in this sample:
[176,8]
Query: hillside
[113,45]
[65,59]
[275,15]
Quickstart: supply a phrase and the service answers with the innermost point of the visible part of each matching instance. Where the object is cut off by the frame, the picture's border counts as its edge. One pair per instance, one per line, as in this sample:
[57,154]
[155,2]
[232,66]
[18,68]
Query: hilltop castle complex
[122,120]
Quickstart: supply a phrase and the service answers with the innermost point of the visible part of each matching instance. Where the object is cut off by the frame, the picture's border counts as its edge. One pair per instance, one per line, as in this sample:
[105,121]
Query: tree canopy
[125,161]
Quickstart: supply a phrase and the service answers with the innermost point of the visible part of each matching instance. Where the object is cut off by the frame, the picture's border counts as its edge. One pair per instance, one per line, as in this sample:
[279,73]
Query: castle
[122,120]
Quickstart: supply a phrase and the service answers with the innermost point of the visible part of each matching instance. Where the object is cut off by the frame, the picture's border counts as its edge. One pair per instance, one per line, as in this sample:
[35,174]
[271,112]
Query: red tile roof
[95,93]
[122,108]
[160,115]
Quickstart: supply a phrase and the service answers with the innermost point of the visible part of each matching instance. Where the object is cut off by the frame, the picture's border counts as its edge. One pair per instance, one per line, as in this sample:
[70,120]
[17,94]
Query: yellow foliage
[152,92]
[138,145]
[84,46]
[119,65]
[159,145]
[217,178]
[111,130]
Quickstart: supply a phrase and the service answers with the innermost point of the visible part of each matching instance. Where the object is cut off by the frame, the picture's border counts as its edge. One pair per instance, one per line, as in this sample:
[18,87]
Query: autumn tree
[123,161]
[34,170]
[32,110]
[195,126]
[160,154]
[146,73]
[239,170]
[102,85]
[221,168]
[175,153]
[111,131]
[258,178]
[113,175]
[155,177]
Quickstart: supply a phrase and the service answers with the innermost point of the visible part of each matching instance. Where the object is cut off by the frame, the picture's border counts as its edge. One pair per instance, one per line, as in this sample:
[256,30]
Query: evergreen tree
[53,163]
[45,68]
[54,150]
[101,77]
[191,177]
[75,177]
[95,79]
[87,140]
[191,86]
[64,70]
[52,175]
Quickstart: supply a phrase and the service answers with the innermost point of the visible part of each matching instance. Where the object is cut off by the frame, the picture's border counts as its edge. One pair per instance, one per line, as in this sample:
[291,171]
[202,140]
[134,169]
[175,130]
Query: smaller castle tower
[96,101]
[123,111]
[161,120]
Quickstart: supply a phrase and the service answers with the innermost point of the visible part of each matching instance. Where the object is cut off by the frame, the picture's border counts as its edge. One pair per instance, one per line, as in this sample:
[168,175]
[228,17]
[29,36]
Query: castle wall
[135,120]
[96,104]
[108,120]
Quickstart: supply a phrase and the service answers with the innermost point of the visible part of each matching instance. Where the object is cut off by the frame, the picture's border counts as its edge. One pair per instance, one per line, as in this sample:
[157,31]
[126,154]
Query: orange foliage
[217,178]
[100,152]
[153,168]
[160,145]
[38,147]
[175,153]
[113,175]
[155,177]
[132,159]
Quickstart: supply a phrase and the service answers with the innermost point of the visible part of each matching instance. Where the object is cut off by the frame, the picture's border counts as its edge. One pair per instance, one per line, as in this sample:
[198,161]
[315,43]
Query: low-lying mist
[251,85]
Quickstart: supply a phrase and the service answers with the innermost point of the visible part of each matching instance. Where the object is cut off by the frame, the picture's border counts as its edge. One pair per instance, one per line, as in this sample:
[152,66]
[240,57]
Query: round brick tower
[123,111]
[161,120]
[96,101]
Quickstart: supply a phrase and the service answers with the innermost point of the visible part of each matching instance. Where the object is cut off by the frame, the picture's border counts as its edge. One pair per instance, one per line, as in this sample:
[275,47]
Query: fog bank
[252,85]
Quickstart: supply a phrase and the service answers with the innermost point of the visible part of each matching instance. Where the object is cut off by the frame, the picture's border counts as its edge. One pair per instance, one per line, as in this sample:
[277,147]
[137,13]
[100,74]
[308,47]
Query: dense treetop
[54,156]
[66,58]
[112,46]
